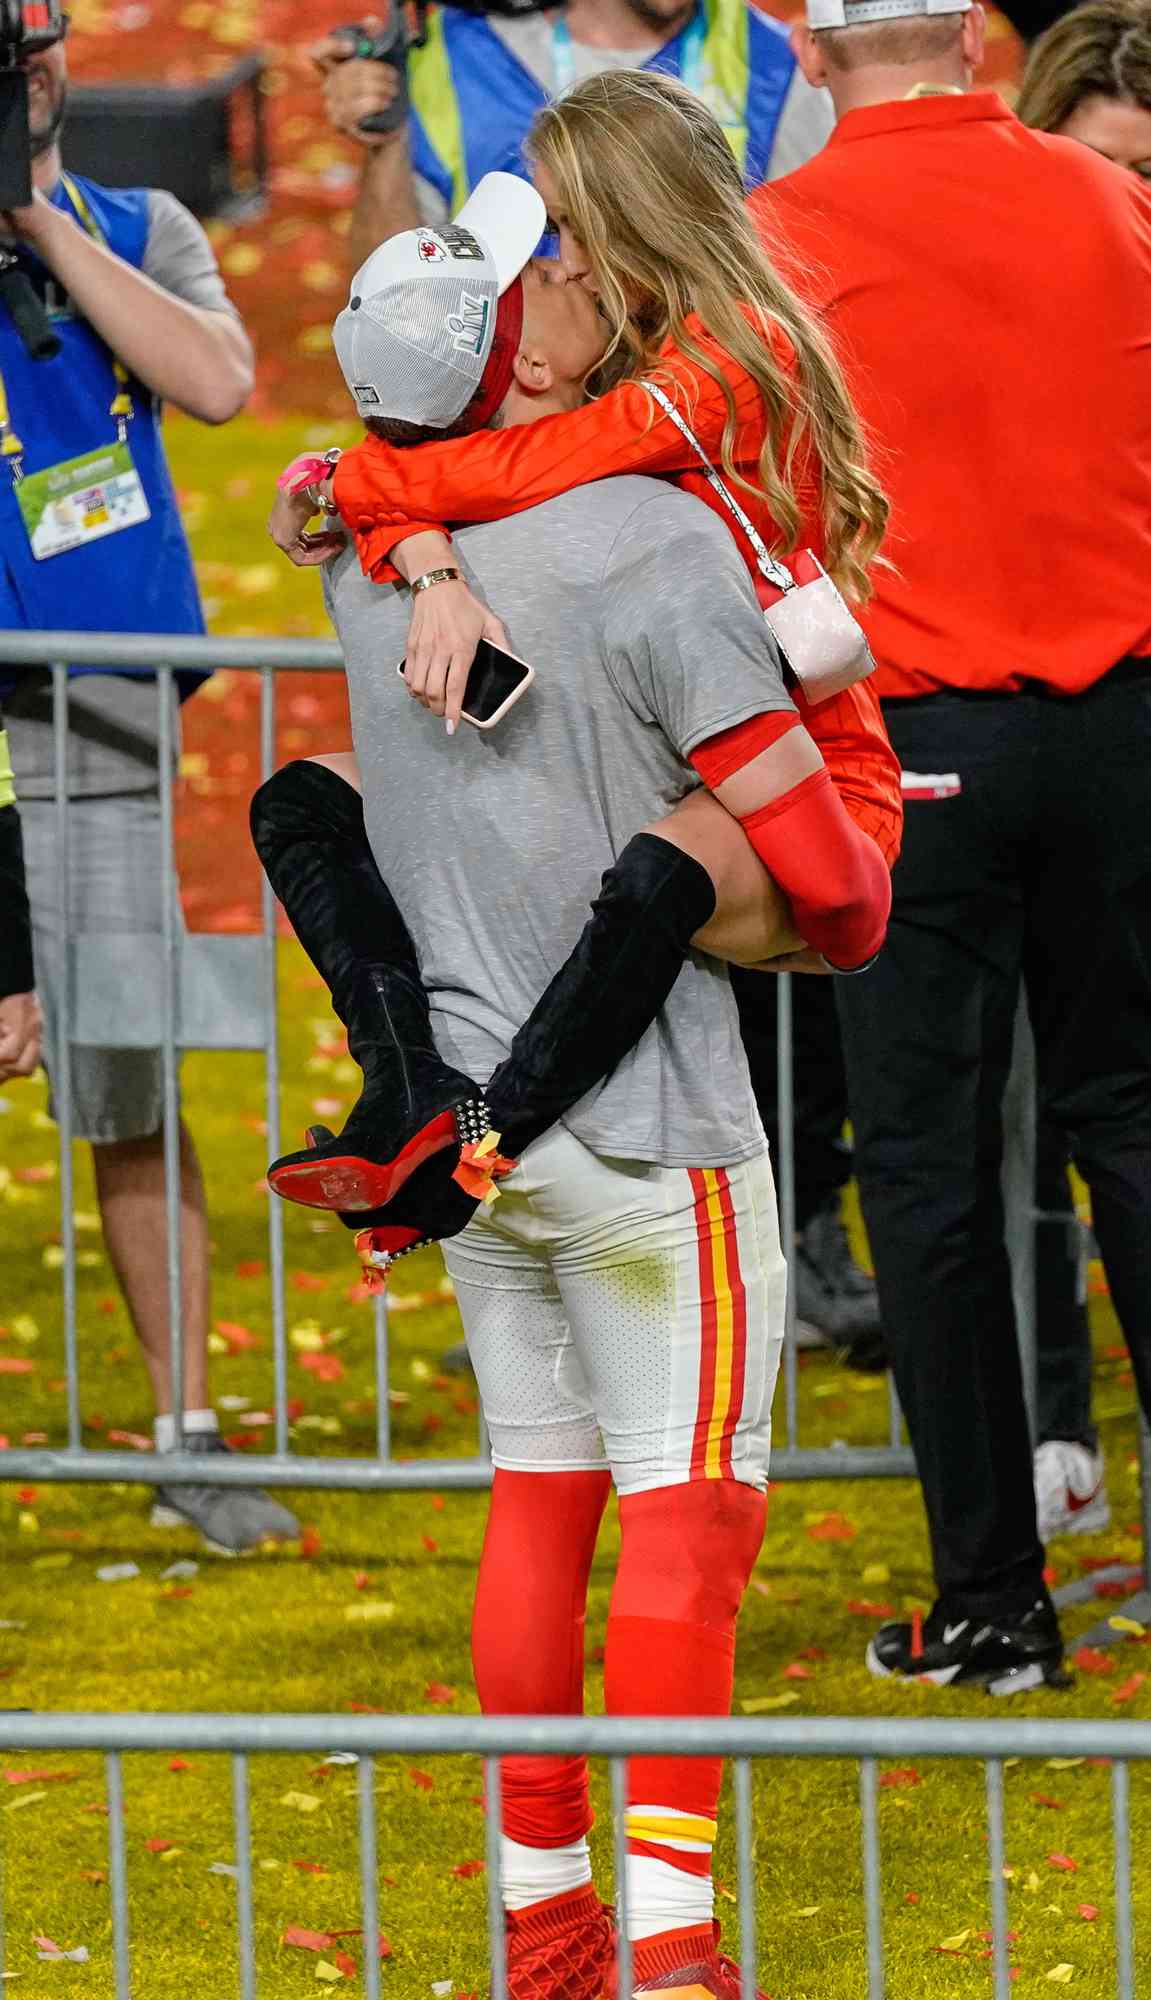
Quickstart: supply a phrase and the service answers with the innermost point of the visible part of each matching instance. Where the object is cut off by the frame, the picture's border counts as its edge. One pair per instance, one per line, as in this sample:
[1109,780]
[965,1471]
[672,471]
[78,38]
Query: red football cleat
[686,1963]
[561,1948]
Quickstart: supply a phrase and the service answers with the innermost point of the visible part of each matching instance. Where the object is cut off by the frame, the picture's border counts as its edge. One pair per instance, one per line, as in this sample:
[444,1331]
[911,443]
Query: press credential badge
[81,499]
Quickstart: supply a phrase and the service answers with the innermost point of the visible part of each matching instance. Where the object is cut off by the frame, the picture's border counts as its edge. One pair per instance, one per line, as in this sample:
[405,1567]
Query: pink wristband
[306,470]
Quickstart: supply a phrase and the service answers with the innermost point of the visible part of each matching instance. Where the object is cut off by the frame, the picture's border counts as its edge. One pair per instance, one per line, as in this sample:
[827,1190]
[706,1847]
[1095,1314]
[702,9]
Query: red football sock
[687,1554]
[528,1636]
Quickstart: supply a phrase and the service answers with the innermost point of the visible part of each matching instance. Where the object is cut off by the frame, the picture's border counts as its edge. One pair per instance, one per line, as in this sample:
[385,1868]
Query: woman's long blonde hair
[1100,50]
[646,179]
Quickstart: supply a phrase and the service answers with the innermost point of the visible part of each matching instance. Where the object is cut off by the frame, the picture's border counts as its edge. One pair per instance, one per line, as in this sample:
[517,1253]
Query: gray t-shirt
[114,724]
[631,602]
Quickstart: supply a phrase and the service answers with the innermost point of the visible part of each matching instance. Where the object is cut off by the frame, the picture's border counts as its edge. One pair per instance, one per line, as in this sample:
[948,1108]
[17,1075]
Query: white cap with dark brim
[417,333]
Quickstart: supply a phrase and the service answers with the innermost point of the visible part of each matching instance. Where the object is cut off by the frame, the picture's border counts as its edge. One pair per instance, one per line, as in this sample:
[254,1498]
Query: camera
[27,28]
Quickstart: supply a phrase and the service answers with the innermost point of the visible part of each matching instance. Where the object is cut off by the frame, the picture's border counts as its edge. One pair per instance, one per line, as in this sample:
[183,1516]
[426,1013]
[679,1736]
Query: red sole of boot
[348,1182]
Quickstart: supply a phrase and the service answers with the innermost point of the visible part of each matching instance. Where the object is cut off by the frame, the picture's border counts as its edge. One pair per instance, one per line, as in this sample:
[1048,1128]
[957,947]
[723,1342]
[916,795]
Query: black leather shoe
[1005,1655]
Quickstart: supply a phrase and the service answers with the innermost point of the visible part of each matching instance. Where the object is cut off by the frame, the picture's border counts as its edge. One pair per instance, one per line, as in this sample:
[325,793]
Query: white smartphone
[496,680]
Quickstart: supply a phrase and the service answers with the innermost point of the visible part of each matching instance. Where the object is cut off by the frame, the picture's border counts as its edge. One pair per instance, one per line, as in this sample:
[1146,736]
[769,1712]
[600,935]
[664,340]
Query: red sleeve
[734,748]
[385,493]
[832,873]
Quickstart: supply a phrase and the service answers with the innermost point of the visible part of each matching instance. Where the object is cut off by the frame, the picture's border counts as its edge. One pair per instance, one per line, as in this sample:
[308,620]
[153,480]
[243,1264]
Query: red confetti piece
[1088,1912]
[27,1495]
[432,1547]
[157,1846]
[862,1607]
[307,1281]
[92,1874]
[1064,1863]
[436,1500]
[1116,1590]
[345,1963]
[1129,1688]
[236,1338]
[325,1367]
[135,1440]
[912,1896]
[1041,1799]
[252,1267]
[797,1672]
[16,1364]
[894,1781]
[917,1635]
[437,1692]
[305,1940]
[466,1869]
[180,1764]
[310,1545]
[361,1579]
[1093,1660]
[310,1867]
[833,1528]
[423,1780]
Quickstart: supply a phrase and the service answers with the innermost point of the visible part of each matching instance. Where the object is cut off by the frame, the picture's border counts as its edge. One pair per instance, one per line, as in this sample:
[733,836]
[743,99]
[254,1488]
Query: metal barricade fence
[615,1738]
[237,965]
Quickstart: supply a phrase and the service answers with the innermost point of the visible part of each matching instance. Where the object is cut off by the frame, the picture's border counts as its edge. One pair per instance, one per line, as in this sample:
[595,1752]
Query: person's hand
[20,1032]
[31,222]
[288,527]
[446,627]
[355,89]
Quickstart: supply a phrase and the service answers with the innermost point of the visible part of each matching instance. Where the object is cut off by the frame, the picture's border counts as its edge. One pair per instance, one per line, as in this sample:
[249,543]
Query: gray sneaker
[230,1518]
[836,1301]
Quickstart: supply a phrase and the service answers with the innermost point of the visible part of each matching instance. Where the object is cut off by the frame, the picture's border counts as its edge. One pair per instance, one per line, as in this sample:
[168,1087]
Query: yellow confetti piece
[1009,1873]
[306,1338]
[256,579]
[1052,1910]
[322,277]
[875,1573]
[25,1329]
[27,1799]
[1061,1975]
[328,1973]
[1132,1625]
[766,1701]
[955,1943]
[304,1802]
[373,1611]
[59,1561]
[1064,1763]
[314,339]
[1032,1884]
[170,1853]
[269,1865]
[809,1910]
[27,1523]
[1009,1763]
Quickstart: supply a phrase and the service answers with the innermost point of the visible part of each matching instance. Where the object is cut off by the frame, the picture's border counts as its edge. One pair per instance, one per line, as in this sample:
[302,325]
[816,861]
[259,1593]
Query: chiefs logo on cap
[430,249]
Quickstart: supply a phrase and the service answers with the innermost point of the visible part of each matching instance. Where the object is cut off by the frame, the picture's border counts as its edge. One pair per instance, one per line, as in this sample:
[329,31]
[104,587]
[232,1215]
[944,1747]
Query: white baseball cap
[853,13]
[435,315]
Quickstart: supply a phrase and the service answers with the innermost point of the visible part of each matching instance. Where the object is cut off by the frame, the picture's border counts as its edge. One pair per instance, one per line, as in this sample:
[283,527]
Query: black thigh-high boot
[618,976]
[308,829]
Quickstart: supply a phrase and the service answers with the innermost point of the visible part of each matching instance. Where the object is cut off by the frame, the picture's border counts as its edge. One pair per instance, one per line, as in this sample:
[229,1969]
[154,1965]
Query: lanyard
[691,62]
[120,408]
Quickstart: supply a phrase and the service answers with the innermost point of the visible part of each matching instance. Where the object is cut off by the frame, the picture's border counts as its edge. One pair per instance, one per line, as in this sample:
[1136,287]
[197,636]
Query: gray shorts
[115,889]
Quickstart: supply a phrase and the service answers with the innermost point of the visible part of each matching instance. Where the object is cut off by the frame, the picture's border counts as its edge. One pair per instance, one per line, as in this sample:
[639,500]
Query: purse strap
[775,572]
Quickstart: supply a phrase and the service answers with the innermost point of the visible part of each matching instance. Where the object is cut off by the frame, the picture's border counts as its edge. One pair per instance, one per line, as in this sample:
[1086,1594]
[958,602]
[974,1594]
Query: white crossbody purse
[821,640]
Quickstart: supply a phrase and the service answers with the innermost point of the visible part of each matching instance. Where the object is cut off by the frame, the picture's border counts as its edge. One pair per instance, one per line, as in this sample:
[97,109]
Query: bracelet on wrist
[431,577]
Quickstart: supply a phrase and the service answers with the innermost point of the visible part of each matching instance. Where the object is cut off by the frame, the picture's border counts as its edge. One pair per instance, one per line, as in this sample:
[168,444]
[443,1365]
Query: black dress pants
[822,1155]
[1037,870]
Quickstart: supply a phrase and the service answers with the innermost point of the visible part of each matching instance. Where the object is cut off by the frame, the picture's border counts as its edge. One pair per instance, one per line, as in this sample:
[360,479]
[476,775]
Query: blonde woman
[1089,78]
[690,299]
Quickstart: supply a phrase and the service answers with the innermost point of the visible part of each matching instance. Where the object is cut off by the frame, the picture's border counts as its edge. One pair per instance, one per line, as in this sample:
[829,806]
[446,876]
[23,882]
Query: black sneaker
[1007,1655]
[836,1301]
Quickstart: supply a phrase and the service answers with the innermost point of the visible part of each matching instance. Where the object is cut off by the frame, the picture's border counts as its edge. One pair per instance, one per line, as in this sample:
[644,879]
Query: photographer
[91,538]
[485,67]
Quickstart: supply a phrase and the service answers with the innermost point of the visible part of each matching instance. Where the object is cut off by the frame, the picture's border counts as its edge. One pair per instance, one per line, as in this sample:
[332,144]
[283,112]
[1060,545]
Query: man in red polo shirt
[989,288]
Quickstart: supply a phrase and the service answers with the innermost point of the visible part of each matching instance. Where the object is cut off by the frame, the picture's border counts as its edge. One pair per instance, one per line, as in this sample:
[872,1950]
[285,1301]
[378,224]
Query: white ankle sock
[663,1898]
[529,1874]
[195,1421]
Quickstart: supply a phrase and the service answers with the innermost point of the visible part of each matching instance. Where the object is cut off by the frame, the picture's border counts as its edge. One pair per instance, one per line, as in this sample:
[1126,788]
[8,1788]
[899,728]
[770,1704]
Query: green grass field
[372,1609]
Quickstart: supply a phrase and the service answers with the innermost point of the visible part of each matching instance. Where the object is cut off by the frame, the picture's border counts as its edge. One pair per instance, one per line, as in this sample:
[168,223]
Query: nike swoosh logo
[952,1632]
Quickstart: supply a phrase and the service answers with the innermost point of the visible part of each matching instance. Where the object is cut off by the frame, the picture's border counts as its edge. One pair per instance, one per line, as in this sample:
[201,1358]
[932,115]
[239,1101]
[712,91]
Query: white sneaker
[1070,1490]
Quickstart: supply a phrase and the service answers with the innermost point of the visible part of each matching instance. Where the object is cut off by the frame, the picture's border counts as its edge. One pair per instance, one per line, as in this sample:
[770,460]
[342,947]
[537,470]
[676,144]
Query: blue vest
[473,100]
[140,580]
